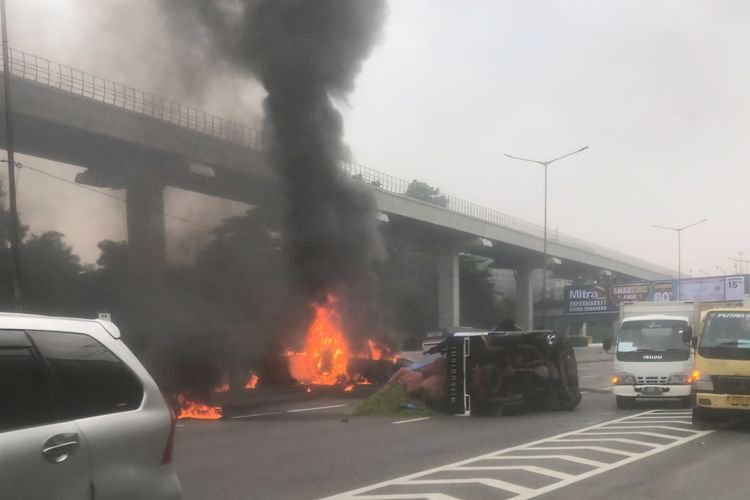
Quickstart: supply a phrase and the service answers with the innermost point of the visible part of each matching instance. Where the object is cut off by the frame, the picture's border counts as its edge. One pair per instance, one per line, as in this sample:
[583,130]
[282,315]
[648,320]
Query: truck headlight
[623,379]
[679,378]
[701,382]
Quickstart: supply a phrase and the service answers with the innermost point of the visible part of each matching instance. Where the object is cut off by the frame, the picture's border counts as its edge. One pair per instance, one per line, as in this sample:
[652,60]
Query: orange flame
[224,385]
[375,352]
[196,410]
[349,387]
[252,382]
[326,353]
[326,356]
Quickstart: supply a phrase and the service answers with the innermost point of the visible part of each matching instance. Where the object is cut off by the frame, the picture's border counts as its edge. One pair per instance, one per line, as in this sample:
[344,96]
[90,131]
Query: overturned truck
[486,372]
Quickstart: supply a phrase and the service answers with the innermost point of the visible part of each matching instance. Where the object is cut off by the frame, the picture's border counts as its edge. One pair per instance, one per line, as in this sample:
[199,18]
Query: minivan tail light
[166,457]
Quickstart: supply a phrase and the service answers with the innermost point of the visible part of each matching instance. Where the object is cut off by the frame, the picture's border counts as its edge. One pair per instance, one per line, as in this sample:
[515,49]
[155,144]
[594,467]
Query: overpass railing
[399,186]
[396,185]
[45,72]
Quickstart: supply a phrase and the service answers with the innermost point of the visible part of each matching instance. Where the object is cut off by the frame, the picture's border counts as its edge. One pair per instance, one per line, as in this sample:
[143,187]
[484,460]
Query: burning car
[487,371]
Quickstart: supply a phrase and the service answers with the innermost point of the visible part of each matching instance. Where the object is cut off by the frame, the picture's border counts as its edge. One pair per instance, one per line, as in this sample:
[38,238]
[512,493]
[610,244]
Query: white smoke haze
[660,91]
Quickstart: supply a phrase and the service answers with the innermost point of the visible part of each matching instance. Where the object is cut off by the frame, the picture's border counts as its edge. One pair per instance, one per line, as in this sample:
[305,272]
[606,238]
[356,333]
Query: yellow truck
[720,381]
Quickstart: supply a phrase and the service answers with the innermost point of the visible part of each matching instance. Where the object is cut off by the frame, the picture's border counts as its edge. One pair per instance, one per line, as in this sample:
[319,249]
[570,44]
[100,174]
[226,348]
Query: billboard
[661,291]
[629,293]
[713,288]
[734,288]
[588,299]
[592,299]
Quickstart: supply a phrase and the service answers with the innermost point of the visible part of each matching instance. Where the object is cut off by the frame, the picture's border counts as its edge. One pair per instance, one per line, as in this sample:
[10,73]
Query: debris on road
[390,400]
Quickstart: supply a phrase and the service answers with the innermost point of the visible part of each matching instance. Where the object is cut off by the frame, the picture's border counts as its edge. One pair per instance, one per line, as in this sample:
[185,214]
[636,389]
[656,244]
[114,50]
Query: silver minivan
[80,417]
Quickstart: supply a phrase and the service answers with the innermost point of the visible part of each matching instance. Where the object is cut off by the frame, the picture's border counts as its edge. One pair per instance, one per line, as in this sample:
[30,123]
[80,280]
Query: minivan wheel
[625,403]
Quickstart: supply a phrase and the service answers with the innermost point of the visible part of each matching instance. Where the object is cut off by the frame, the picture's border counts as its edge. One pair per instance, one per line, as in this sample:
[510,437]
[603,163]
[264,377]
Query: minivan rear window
[92,380]
[25,399]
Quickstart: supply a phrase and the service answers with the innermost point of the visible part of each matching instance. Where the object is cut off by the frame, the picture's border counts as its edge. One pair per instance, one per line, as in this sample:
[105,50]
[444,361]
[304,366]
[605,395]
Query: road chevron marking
[611,451]
[494,483]
[646,426]
[409,496]
[547,448]
[607,440]
[568,458]
[528,468]
[636,432]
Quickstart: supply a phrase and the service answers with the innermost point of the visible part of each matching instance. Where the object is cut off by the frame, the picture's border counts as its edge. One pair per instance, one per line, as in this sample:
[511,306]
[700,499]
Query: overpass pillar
[524,297]
[146,232]
[448,290]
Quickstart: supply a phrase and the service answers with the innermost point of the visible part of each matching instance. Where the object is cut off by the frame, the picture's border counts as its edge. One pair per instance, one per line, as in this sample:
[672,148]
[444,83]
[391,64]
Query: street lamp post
[679,231]
[740,265]
[545,164]
[15,241]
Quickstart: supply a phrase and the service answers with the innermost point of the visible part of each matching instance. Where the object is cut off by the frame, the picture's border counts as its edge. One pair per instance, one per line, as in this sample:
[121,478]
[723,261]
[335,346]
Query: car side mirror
[606,344]
[694,342]
[687,334]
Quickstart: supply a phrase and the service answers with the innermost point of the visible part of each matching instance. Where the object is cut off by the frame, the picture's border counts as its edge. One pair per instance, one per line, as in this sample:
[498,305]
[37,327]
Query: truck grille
[651,380]
[731,385]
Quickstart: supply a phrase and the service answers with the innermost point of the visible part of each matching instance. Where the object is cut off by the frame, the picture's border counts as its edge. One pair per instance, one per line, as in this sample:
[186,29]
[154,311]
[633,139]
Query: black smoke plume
[306,54]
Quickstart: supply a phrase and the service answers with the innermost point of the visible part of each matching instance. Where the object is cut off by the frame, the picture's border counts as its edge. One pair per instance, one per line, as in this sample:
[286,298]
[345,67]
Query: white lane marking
[409,496]
[607,439]
[643,426]
[568,458]
[657,417]
[352,493]
[639,433]
[411,420]
[567,443]
[603,449]
[494,483]
[253,415]
[655,422]
[314,409]
[589,376]
[528,468]
[180,425]
[594,472]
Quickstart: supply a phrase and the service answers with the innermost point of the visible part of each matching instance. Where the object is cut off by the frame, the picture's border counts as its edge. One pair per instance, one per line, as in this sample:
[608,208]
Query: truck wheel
[625,403]
[702,417]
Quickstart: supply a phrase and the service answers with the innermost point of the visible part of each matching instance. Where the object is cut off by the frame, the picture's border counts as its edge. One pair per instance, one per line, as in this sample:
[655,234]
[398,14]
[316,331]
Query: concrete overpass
[130,139]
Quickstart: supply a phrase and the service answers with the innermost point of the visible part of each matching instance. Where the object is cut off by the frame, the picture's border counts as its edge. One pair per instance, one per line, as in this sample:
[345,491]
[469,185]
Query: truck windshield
[726,335]
[650,340]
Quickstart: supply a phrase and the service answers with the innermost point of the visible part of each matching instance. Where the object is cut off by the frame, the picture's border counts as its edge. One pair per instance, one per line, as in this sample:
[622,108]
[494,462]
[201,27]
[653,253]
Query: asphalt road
[313,449]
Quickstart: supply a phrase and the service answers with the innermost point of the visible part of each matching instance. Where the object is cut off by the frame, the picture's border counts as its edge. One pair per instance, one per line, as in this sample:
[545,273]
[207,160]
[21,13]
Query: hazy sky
[659,90]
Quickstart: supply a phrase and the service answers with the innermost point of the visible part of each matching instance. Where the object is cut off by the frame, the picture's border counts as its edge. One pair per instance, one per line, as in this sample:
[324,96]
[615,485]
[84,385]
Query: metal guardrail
[45,72]
[400,186]
[396,185]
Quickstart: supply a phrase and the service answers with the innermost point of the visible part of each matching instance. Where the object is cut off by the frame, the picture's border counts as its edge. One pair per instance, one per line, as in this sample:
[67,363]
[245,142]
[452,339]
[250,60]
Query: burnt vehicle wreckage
[507,370]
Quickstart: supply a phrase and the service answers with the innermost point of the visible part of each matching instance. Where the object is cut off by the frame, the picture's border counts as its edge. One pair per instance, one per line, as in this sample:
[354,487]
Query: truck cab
[721,379]
[653,359]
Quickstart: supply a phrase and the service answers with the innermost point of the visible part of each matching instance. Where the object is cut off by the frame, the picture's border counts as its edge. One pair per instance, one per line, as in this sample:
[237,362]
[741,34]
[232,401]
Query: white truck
[653,358]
